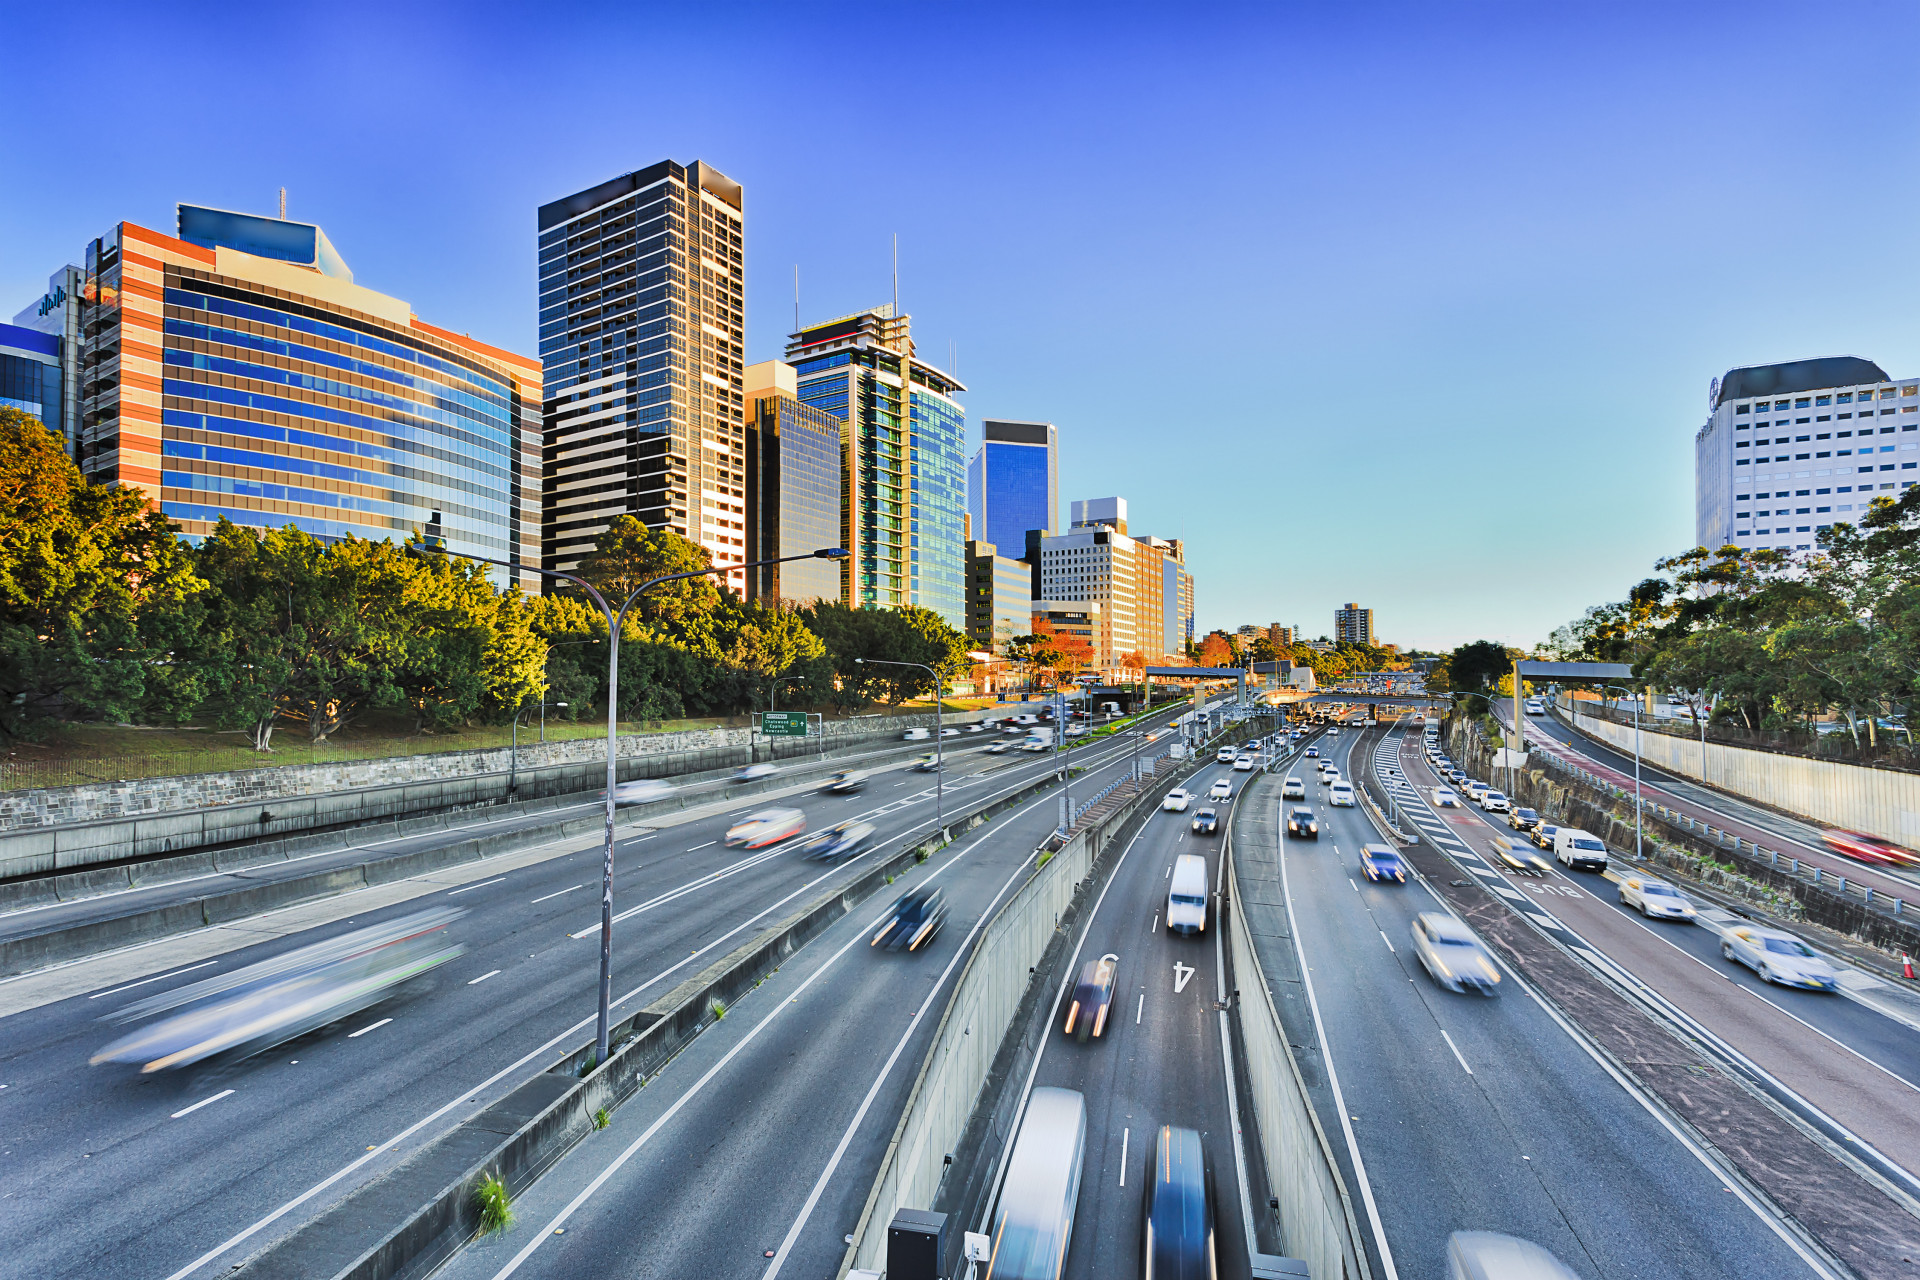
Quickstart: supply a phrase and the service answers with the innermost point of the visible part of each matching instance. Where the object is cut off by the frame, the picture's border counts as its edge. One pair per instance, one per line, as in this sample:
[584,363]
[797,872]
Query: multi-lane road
[110,1172]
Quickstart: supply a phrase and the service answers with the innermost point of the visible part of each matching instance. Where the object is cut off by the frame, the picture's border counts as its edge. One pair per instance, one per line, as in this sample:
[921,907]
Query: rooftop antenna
[896,275]
[283,204]
[796,297]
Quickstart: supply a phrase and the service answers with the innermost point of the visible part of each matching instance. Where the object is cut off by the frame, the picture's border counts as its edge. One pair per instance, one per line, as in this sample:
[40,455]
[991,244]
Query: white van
[1340,795]
[1033,1224]
[1187,895]
[1579,849]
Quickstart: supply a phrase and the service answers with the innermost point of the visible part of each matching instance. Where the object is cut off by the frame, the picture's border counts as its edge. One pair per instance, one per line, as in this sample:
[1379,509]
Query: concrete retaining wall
[1883,802]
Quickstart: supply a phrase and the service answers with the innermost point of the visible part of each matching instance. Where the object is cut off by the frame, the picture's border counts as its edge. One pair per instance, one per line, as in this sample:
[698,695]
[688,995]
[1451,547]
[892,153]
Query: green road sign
[783,724]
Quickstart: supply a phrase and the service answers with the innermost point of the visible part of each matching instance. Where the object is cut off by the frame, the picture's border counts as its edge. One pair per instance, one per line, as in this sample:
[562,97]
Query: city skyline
[1603,250]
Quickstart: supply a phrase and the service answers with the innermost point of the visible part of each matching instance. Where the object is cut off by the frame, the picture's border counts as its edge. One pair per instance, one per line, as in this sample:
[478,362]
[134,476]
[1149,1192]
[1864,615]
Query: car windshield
[1189,900]
[1659,890]
[1588,844]
[1303,815]
[1789,947]
[1446,941]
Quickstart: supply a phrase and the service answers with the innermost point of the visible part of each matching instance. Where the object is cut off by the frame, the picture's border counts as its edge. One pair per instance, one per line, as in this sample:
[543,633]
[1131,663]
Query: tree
[627,555]
[1216,650]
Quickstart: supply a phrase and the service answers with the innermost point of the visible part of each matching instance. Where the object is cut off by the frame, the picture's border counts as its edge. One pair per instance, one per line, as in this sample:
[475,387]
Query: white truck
[1038,740]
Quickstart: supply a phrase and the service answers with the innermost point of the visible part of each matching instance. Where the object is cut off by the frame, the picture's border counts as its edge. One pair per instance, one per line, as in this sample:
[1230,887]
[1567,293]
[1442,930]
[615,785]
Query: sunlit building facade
[793,488]
[236,370]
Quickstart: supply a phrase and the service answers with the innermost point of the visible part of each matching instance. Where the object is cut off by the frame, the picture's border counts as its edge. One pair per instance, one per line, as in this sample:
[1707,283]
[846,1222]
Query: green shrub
[494,1205]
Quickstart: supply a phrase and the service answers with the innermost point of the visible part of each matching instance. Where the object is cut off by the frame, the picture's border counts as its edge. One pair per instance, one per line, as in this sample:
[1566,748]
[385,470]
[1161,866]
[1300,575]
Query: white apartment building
[1793,448]
[1141,590]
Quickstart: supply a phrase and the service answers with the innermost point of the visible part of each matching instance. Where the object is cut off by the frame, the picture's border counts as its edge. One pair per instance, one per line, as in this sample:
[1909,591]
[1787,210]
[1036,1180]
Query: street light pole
[939,724]
[614,623]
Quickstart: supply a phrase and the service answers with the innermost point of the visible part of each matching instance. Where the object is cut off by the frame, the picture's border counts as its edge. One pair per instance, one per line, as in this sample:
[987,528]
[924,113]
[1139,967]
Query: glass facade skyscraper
[903,464]
[642,299]
[237,370]
[1013,482]
[30,374]
[793,488]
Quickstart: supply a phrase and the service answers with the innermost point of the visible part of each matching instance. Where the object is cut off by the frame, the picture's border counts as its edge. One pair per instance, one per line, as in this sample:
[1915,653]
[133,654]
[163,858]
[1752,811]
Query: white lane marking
[1155,928]
[568,889]
[354,1035]
[1356,887]
[1140,1008]
[1182,975]
[1456,1053]
[1125,1134]
[697,848]
[160,978]
[266,1220]
[483,884]
[474,982]
[1389,941]
[202,1103]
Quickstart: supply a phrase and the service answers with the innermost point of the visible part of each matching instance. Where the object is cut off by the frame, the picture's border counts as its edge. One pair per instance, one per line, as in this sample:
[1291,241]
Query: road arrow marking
[1182,974]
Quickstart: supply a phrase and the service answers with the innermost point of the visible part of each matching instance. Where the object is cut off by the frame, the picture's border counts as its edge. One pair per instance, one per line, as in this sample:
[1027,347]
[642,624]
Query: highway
[1843,1055]
[1474,1113]
[751,1155]
[113,1173]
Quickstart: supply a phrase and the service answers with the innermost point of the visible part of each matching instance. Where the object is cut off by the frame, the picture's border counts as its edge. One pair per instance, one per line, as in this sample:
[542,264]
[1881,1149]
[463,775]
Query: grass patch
[1043,860]
[601,1119]
[717,1009]
[586,1067]
[494,1205]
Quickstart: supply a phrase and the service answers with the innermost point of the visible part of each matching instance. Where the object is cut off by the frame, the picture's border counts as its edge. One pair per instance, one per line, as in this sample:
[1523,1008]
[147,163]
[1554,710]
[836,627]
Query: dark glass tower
[1013,482]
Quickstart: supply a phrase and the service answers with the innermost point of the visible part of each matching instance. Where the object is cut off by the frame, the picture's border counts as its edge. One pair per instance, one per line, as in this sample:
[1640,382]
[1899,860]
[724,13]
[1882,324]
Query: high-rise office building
[237,370]
[31,375]
[999,597]
[793,488]
[56,315]
[1792,448]
[1352,625]
[1140,588]
[1279,637]
[642,301]
[903,468]
[1013,482]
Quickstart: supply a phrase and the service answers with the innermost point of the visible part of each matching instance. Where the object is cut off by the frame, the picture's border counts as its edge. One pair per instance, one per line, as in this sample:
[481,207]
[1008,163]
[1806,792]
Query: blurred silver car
[1451,955]
[1488,1255]
[766,827]
[640,791]
[756,772]
[236,1015]
[1778,957]
[1655,898]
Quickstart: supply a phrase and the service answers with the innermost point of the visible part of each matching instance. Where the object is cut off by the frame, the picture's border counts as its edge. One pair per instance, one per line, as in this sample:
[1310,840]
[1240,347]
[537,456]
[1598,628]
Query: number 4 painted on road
[1182,974]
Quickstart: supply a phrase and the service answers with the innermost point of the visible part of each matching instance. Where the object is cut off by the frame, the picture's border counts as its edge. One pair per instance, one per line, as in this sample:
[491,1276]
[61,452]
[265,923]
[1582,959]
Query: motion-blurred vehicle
[1494,802]
[1312,753]
[1523,819]
[1778,958]
[766,827]
[1302,824]
[1220,790]
[1176,1227]
[639,791]
[1076,731]
[1205,823]
[913,921]
[1378,862]
[1329,776]
[1458,777]
[1224,755]
[1476,790]
[1340,794]
[1655,898]
[845,782]
[926,762]
[1187,895]
[842,840]
[1516,855]
[1293,789]
[755,772]
[1535,707]
[915,734]
[1243,764]
[1176,801]
[1033,1222]
[976,728]
[1543,835]
[1444,798]
[1581,850]
[997,748]
[1872,850]
[1087,1015]
[1451,955]
[234,1016]
[1488,1255]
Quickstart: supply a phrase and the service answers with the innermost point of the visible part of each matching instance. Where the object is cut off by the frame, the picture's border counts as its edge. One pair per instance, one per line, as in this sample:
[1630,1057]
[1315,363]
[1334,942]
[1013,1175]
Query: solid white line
[569,889]
[474,983]
[144,981]
[483,884]
[1389,941]
[1140,1008]
[1456,1053]
[203,1102]
[1124,1135]
[353,1035]
[698,847]
[1356,888]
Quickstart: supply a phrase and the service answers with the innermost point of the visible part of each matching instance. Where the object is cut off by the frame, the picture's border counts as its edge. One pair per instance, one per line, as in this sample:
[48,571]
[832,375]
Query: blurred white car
[1176,801]
[1221,790]
[1451,955]
[1243,764]
[1655,898]
[756,772]
[1494,802]
[915,735]
[766,827]
[1293,789]
[1224,755]
[1076,731]
[1778,957]
[1445,798]
[640,791]
[949,732]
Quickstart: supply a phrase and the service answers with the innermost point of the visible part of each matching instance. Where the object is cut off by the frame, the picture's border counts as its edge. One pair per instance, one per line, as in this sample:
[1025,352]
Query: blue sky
[1414,305]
